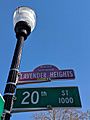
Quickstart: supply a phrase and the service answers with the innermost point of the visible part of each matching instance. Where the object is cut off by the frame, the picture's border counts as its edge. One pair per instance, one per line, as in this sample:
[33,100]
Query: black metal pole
[22,31]
[12,79]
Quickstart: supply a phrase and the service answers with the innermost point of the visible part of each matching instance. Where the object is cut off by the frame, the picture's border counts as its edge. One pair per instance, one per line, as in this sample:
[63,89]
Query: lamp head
[24,20]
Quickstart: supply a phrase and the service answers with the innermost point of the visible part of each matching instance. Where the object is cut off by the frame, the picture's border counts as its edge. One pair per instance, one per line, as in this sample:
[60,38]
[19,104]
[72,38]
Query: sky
[61,38]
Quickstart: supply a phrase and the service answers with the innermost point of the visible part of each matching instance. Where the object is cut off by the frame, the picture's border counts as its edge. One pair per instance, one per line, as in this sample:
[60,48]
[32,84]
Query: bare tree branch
[63,114]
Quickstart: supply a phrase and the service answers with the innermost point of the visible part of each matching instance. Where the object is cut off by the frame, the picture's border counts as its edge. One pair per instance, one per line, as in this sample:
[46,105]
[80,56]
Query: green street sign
[1,105]
[29,99]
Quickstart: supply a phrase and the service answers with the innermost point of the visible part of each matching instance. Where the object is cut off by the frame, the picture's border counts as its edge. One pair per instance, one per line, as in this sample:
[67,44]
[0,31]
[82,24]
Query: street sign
[1,105]
[45,73]
[29,99]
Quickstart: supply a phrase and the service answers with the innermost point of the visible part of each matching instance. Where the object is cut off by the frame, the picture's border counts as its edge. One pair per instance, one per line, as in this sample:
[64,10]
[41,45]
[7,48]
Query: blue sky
[61,38]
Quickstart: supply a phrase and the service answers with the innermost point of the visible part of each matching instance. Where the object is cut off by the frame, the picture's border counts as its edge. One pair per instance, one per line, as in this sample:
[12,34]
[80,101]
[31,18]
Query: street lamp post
[24,20]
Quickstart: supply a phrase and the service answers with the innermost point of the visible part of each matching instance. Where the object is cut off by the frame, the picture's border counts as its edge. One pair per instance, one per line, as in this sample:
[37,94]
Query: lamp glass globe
[25,14]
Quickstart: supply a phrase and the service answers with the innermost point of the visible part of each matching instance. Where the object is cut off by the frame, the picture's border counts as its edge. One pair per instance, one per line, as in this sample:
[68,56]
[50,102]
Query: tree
[62,114]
